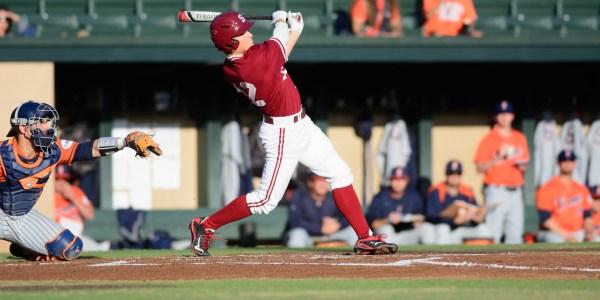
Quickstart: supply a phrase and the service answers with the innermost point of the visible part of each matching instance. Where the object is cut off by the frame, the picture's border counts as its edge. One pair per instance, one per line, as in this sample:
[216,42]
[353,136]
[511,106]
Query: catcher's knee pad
[65,246]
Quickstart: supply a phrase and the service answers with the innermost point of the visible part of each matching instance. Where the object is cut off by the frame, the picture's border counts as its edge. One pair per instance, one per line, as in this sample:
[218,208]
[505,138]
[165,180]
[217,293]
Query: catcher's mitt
[142,144]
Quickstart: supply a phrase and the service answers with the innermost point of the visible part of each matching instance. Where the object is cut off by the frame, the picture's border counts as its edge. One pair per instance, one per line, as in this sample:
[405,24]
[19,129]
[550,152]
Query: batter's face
[566,167]
[505,120]
[245,42]
[398,185]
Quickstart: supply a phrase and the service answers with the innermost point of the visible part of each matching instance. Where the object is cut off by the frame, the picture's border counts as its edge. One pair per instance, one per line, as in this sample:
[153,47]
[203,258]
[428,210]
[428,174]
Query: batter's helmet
[225,27]
[30,112]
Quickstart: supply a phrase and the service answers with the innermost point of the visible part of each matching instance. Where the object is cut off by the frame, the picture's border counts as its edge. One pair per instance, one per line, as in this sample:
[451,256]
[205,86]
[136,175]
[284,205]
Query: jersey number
[249,90]
[451,12]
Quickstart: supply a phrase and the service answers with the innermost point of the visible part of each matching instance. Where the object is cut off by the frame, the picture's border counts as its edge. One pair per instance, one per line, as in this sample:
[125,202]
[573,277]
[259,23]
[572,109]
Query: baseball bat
[208,16]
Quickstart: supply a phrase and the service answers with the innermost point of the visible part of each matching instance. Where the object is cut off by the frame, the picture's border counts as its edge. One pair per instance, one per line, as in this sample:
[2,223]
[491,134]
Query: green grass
[308,289]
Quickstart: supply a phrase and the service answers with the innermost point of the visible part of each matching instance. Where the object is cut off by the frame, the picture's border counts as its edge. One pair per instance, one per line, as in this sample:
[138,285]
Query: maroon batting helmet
[225,27]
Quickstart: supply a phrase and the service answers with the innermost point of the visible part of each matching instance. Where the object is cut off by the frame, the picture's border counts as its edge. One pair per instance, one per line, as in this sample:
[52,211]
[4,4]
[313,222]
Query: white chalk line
[401,263]
[121,263]
[410,262]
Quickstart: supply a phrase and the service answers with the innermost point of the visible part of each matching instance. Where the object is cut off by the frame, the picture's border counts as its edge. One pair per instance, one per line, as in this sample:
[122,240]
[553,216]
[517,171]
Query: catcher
[27,160]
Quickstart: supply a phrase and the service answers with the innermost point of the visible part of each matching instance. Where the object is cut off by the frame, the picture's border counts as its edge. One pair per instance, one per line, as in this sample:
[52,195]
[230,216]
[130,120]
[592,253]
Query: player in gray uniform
[503,157]
[27,160]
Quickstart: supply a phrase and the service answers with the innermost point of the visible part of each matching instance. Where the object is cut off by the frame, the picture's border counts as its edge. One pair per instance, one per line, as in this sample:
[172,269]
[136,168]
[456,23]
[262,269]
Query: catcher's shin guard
[374,245]
[200,237]
[65,246]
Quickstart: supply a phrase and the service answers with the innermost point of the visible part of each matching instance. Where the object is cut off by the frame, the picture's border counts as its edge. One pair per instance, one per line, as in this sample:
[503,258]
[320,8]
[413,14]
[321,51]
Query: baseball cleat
[18,251]
[374,245]
[200,237]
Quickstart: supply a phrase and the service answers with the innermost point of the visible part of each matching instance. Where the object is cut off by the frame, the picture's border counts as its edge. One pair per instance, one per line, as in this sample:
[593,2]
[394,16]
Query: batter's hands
[279,15]
[295,21]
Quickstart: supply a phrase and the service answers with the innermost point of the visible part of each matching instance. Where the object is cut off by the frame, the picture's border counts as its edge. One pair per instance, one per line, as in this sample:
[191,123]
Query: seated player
[564,206]
[451,206]
[72,207]
[314,218]
[398,213]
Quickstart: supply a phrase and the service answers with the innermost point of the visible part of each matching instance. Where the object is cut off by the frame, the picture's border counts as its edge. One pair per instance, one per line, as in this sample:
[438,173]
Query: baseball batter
[27,160]
[287,134]
[503,157]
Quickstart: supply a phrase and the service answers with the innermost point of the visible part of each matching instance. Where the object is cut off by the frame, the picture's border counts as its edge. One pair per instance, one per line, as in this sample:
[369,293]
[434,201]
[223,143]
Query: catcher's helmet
[30,112]
[225,27]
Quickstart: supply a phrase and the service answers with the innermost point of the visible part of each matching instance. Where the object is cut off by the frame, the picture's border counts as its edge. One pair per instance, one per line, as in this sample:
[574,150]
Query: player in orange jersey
[449,18]
[72,207]
[503,156]
[564,206]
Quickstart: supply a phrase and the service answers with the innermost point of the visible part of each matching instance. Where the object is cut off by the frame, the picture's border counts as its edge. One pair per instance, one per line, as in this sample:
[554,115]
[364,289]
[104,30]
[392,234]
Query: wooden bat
[208,16]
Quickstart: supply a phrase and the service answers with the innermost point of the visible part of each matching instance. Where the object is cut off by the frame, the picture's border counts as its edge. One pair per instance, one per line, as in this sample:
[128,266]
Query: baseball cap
[566,155]
[504,107]
[454,166]
[63,172]
[398,172]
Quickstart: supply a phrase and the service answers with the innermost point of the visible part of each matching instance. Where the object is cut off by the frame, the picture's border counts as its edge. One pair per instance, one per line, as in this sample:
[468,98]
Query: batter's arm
[296,23]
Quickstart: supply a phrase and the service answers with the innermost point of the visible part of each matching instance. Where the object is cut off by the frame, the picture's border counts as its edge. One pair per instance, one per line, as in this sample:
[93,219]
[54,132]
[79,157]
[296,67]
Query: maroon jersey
[259,75]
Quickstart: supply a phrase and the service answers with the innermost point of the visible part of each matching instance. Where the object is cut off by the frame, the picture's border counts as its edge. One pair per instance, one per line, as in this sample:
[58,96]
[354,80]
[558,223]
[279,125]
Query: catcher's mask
[33,114]
[225,27]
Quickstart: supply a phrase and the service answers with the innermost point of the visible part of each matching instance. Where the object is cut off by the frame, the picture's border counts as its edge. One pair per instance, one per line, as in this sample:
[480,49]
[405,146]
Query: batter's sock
[347,202]
[234,211]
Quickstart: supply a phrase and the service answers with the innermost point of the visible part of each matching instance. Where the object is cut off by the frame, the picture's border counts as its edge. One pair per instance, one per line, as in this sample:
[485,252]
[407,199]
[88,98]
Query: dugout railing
[326,18]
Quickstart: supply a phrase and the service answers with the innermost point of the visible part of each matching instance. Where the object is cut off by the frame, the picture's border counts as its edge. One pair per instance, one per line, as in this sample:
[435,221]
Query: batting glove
[280,14]
[295,21]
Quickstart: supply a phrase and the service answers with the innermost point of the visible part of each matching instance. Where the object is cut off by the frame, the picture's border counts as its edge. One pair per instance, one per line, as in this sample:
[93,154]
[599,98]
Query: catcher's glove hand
[142,144]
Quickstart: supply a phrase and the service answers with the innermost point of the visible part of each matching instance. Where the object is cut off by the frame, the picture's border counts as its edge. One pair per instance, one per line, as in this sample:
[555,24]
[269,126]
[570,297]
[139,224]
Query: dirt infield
[576,264]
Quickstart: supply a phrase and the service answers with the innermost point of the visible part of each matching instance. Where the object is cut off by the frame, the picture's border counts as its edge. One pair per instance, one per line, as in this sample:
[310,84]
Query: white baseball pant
[286,143]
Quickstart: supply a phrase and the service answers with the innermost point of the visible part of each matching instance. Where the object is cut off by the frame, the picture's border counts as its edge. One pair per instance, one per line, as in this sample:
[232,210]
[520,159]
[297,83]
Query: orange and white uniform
[67,214]
[566,203]
[447,17]
[505,173]
[503,183]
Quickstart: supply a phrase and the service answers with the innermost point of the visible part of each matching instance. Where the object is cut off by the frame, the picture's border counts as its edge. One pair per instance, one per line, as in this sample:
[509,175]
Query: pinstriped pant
[31,230]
